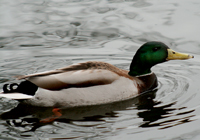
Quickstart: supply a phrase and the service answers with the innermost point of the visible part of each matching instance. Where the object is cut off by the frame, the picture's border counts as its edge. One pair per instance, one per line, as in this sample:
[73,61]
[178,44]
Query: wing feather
[79,66]
[79,75]
[81,78]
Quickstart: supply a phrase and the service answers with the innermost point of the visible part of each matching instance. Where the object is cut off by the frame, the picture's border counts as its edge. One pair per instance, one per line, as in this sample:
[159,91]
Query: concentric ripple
[173,96]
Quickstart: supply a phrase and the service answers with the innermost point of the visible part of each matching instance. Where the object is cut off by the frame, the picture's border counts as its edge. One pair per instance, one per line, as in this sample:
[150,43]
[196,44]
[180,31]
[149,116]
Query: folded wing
[80,75]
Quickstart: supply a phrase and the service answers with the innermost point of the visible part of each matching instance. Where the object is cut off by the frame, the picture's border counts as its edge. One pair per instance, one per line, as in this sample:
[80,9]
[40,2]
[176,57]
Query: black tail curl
[24,87]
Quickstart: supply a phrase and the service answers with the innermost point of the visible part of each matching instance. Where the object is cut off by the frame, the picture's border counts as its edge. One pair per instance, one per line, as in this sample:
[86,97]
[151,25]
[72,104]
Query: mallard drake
[93,83]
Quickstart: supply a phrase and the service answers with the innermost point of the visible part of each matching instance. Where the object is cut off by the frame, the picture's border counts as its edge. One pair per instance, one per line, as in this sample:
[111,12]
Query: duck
[93,82]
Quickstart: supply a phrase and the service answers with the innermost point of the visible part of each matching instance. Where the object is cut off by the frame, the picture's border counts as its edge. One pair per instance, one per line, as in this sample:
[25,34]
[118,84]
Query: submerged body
[93,83]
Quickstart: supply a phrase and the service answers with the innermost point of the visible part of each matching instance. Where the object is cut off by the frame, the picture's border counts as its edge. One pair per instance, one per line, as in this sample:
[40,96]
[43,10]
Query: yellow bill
[172,55]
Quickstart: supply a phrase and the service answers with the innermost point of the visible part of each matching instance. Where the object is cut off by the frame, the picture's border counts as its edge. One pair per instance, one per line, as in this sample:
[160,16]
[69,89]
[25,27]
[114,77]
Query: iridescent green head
[150,54]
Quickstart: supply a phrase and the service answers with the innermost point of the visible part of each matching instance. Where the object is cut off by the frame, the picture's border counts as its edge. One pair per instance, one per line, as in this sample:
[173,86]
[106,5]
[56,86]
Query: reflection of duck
[151,114]
[151,111]
[81,113]
[36,117]
[93,83]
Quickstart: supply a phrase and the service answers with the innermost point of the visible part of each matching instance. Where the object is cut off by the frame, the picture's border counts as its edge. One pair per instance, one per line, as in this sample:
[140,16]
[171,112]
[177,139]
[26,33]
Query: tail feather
[16,96]
[19,77]
[25,87]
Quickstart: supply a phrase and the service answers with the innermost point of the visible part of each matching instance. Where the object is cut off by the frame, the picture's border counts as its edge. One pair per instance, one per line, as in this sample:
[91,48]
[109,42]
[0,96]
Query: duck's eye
[156,48]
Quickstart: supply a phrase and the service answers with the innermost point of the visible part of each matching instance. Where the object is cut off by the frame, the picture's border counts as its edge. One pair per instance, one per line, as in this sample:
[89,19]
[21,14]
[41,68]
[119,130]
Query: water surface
[36,36]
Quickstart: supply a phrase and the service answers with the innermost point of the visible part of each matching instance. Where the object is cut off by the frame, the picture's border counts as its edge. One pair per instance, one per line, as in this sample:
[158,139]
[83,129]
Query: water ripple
[38,36]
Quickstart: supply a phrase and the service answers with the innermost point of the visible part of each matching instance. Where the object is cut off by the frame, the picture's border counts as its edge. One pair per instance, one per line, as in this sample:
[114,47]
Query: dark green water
[37,36]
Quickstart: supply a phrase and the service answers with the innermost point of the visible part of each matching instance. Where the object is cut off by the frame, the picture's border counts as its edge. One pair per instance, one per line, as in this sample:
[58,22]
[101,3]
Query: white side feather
[119,90]
[16,96]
